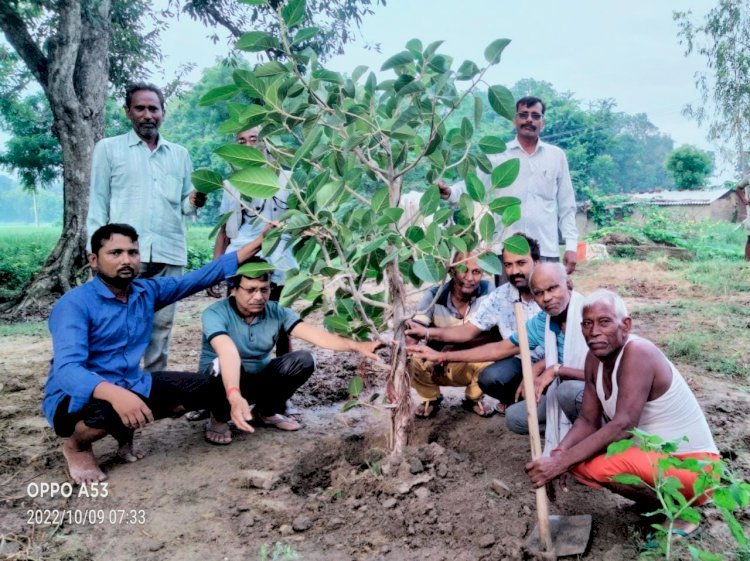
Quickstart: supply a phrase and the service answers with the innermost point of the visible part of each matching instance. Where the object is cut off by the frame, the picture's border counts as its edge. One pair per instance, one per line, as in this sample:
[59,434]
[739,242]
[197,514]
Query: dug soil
[327,492]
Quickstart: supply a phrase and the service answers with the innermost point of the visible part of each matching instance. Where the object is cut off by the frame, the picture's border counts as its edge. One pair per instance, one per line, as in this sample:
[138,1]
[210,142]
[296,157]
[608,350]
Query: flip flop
[428,409]
[197,415]
[281,422]
[500,408]
[210,428]
[477,407]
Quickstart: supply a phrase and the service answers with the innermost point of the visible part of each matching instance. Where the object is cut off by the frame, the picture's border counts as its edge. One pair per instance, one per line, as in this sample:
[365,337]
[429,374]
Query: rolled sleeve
[187,187]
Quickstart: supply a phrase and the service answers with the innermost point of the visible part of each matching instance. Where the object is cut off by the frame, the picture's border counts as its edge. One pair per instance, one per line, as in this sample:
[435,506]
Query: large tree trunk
[74,76]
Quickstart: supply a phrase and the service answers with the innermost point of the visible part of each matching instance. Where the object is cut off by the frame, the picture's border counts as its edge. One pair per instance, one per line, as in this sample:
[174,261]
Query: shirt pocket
[171,188]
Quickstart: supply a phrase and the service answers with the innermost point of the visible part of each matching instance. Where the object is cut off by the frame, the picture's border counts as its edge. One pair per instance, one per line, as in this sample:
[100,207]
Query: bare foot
[131,452]
[82,466]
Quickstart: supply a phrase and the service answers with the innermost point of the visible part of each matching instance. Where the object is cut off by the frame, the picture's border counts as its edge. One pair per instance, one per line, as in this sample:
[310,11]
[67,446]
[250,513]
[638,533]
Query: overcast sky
[627,51]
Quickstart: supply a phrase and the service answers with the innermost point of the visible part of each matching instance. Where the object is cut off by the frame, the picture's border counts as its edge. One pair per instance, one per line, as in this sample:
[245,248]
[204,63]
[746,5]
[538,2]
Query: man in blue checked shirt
[100,331]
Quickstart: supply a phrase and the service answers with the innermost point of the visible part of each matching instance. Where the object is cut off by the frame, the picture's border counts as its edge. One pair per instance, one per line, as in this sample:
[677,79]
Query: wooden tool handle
[542,508]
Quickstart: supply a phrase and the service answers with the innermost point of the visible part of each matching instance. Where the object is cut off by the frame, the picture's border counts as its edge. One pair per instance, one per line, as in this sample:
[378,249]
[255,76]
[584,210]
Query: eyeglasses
[525,115]
[263,290]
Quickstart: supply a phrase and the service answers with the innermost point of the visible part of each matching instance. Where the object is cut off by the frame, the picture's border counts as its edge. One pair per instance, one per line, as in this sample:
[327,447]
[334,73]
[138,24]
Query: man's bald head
[551,288]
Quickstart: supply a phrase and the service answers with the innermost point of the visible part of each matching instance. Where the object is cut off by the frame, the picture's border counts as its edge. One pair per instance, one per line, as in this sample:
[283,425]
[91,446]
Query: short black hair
[133,87]
[235,280]
[534,251]
[530,101]
[107,231]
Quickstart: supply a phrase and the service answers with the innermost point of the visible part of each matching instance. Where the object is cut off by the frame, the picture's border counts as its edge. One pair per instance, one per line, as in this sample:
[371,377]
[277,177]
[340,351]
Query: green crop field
[23,249]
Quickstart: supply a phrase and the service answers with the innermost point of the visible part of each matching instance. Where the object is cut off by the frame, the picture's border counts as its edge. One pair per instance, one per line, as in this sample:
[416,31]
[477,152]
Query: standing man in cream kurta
[141,179]
[543,185]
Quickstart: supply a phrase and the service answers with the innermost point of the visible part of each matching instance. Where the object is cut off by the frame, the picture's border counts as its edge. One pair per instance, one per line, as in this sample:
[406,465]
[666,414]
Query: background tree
[74,50]
[328,134]
[690,167]
[724,40]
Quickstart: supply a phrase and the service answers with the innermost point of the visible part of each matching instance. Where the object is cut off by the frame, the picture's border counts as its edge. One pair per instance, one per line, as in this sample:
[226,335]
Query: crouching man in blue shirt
[100,331]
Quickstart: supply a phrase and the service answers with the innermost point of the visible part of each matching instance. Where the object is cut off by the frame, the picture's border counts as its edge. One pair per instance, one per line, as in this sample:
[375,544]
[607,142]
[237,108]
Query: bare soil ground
[332,494]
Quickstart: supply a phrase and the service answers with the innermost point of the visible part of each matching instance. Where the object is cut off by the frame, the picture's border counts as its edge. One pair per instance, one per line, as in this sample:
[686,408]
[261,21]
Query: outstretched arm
[484,353]
[456,334]
[322,338]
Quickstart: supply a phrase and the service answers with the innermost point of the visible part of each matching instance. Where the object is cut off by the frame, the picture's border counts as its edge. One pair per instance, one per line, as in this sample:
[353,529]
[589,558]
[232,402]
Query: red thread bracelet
[232,389]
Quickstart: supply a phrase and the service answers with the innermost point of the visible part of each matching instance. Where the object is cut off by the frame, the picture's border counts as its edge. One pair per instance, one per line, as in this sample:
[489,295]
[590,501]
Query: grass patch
[23,249]
[23,328]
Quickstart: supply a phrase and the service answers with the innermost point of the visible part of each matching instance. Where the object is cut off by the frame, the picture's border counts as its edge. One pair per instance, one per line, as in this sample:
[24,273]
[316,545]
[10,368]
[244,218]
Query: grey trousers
[155,358]
[570,397]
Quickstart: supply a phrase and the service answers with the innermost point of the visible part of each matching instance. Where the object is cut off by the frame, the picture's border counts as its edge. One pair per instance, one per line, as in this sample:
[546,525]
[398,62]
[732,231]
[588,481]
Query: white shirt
[547,199]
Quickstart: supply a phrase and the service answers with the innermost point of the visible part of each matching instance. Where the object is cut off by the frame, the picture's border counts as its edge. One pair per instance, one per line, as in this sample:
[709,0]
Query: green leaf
[511,214]
[689,514]
[414,46]
[487,227]
[701,555]
[490,263]
[359,72]
[337,324]
[467,129]
[249,82]
[478,111]
[518,245]
[206,181]
[253,2]
[431,48]
[326,195]
[492,145]
[273,68]
[255,270]
[459,244]
[310,142]
[428,270]
[415,86]
[399,59]
[222,220]
[506,173]
[256,181]
[475,187]
[498,206]
[430,200]
[296,286]
[390,215]
[502,101]
[271,241]
[356,385]
[241,156]
[256,41]
[221,93]
[627,479]
[379,200]
[305,34]
[351,404]
[328,76]
[293,13]
[616,447]
[467,70]
[495,49]
[414,234]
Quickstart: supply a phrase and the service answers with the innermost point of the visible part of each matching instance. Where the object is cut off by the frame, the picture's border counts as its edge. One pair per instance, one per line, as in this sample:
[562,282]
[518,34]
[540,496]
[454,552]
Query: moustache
[126,269]
[516,277]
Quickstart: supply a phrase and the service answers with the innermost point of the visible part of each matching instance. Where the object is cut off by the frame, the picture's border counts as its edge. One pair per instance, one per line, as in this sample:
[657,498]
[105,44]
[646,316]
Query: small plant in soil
[729,494]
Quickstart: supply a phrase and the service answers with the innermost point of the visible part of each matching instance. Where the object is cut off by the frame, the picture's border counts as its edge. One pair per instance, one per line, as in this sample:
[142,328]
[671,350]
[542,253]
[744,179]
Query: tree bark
[74,75]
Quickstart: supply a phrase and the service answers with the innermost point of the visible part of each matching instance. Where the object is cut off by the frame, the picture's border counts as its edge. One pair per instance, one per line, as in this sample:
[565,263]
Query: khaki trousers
[427,377]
